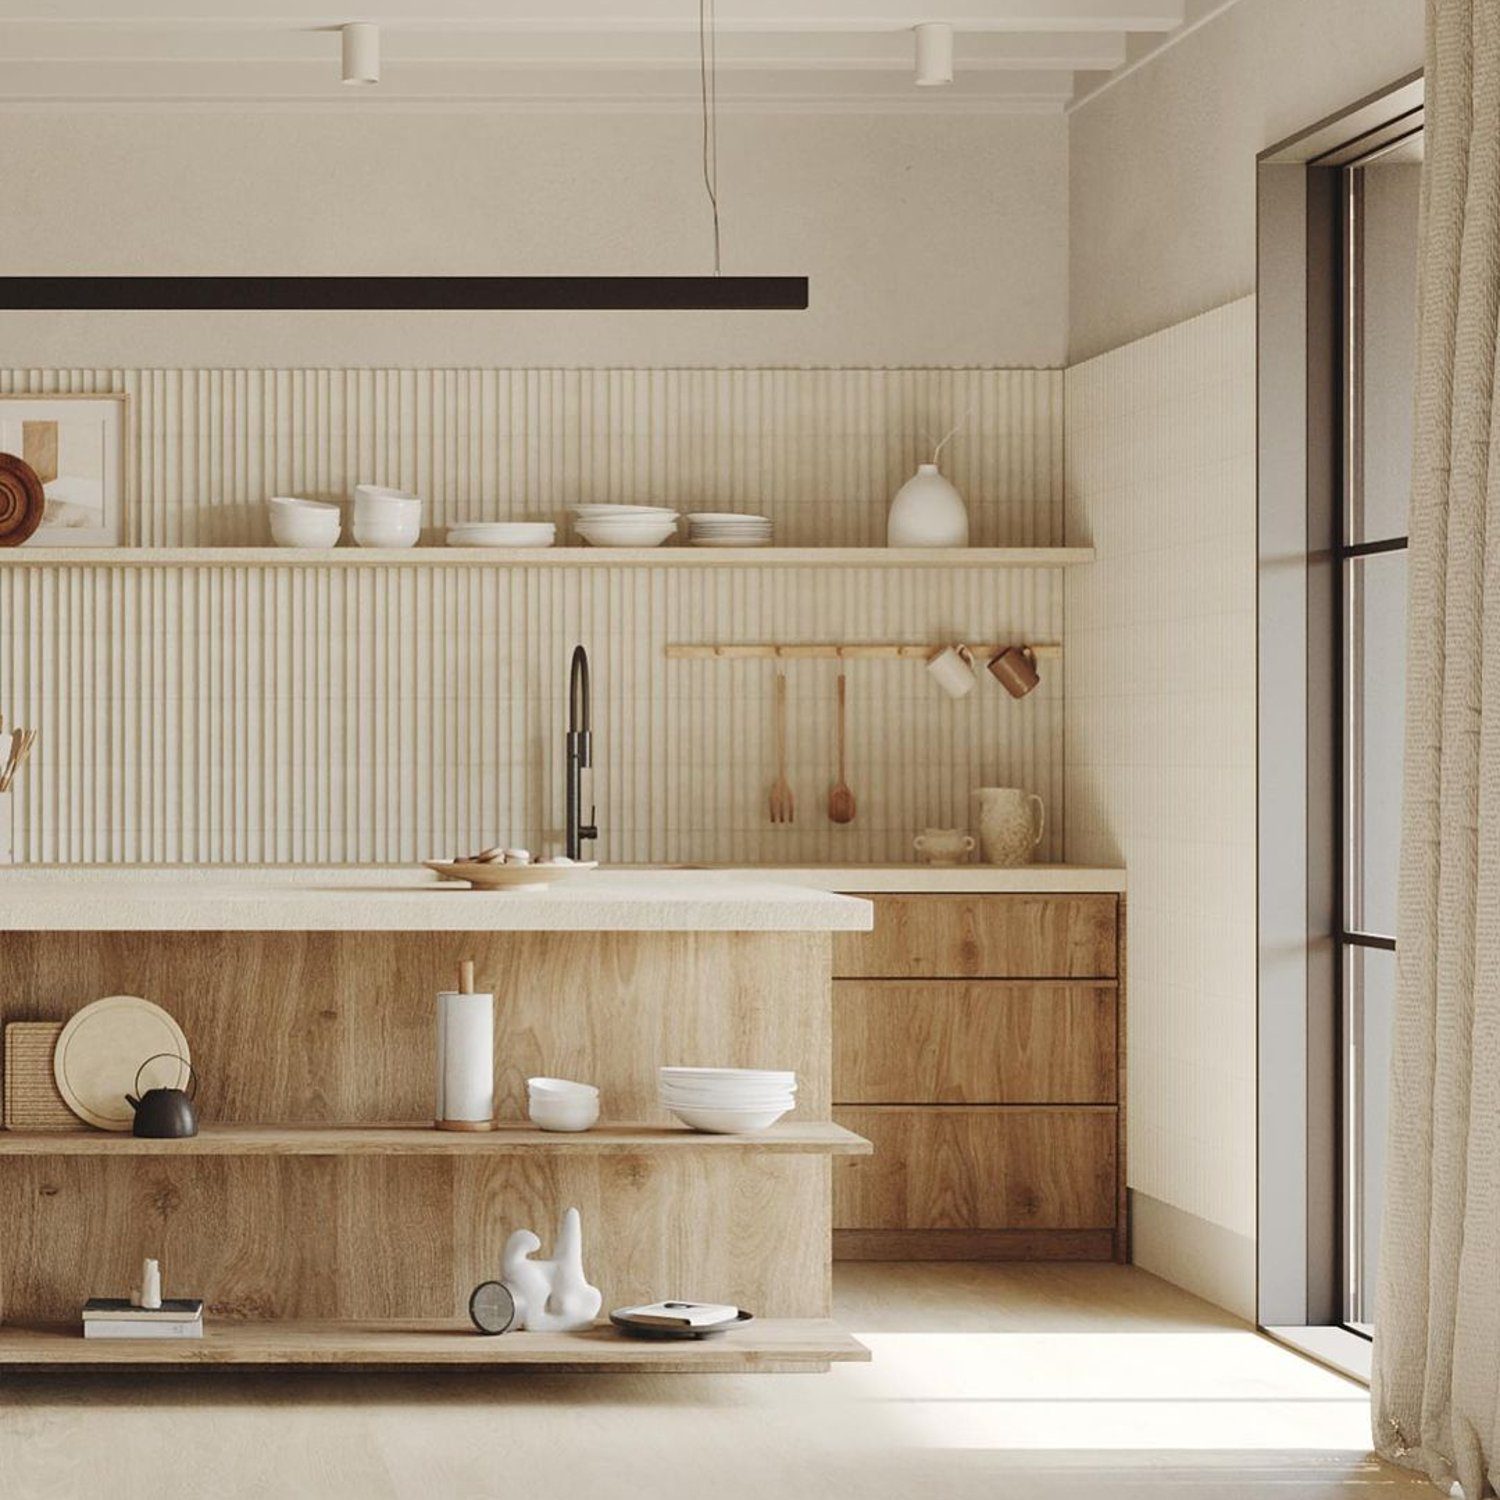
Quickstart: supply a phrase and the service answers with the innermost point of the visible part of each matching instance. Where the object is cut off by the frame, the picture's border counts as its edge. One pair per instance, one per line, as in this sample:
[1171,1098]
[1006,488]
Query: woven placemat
[32,1101]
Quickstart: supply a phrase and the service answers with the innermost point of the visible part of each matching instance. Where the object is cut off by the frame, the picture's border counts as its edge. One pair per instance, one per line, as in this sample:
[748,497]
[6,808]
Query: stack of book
[117,1318]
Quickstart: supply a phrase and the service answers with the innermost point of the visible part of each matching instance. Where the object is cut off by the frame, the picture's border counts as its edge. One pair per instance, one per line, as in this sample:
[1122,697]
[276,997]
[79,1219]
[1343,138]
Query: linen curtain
[1436,1386]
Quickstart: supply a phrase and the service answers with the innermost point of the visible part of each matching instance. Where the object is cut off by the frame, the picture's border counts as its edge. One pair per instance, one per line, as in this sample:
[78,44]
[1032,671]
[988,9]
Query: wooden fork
[783,808]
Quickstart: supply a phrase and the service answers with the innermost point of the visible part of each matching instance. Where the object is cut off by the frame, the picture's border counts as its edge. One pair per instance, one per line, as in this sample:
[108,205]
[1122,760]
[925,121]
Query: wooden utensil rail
[834,651]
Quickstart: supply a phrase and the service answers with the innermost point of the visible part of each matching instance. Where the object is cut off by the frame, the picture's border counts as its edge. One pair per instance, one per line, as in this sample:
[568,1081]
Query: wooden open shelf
[549,557]
[788,1136]
[765,1345]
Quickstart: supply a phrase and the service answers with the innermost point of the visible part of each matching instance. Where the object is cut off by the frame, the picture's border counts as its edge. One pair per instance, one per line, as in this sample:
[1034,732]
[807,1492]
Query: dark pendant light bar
[404,293]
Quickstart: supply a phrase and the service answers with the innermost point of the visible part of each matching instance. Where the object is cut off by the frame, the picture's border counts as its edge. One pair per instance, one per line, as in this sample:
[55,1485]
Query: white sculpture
[551,1296]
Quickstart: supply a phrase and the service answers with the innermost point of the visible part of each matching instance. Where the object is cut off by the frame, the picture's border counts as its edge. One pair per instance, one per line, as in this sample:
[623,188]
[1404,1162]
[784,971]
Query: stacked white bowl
[625,525]
[386,517]
[559,1104]
[728,1101]
[303,523]
[713,528]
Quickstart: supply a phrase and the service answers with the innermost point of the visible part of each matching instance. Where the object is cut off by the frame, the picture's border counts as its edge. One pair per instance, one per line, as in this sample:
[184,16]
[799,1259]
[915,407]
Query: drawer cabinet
[978,1041]
[982,937]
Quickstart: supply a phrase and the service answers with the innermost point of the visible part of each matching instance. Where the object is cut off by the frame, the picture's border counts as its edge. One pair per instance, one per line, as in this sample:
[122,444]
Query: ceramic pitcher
[1010,823]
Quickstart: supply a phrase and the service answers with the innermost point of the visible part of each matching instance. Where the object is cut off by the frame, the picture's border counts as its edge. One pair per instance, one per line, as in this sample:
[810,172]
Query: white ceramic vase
[1010,823]
[927,512]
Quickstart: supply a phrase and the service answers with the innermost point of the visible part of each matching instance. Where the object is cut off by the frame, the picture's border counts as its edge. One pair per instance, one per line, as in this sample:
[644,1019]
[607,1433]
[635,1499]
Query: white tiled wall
[1160,729]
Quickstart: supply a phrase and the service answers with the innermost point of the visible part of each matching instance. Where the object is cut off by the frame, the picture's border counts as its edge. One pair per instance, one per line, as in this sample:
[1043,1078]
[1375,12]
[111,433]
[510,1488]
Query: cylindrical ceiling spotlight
[361,52]
[934,53]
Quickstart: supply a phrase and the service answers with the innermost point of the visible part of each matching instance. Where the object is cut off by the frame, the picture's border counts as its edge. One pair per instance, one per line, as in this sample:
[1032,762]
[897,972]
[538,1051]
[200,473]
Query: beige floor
[988,1381]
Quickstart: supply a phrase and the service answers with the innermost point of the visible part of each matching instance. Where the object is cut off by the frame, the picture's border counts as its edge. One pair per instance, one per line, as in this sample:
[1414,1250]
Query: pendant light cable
[708,80]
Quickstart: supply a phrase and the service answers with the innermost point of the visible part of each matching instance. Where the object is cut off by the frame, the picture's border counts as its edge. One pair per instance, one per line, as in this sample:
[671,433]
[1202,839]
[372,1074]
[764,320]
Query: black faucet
[580,754]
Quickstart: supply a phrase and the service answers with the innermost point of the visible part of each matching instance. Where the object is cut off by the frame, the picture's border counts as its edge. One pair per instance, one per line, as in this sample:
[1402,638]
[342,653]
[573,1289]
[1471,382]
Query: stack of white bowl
[728,1101]
[559,1104]
[713,528]
[303,523]
[386,517]
[502,534]
[625,525]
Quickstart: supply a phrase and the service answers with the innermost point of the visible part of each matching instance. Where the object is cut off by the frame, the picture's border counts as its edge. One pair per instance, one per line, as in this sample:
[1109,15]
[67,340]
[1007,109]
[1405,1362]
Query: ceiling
[1021,56]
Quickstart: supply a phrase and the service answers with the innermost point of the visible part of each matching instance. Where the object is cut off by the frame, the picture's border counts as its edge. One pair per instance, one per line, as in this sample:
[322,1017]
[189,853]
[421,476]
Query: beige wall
[928,240]
[1162,163]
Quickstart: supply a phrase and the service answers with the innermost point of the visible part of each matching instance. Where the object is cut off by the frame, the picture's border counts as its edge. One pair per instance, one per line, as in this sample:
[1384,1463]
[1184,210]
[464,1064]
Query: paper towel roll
[465,1060]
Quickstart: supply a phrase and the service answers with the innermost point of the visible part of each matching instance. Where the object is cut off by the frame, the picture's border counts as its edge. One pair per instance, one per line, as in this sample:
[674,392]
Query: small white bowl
[387,533]
[729,1121]
[561,1088]
[607,534]
[563,1111]
[303,523]
[383,496]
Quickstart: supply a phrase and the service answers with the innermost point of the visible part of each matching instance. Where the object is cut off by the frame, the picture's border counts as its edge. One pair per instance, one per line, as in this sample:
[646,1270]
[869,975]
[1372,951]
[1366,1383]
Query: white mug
[952,668]
[1010,824]
[942,846]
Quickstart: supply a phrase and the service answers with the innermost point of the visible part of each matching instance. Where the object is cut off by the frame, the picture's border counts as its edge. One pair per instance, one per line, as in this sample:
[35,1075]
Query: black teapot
[165,1114]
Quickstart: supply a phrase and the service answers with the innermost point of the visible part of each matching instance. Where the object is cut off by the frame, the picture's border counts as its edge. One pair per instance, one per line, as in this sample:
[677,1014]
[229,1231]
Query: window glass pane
[1375,591]
[1371,990]
[1386,358]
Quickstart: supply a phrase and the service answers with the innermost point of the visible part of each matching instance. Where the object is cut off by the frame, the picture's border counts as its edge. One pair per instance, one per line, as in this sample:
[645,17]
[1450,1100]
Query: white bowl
[502,534]
[303,523]
[652,535]
[561,1088]
[729,1121]
[563,1112]
[384,496]
[624,512]
[782,1076]
[383,533]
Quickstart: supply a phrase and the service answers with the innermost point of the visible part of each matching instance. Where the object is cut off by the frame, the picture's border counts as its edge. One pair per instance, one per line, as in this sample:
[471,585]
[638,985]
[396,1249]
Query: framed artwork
[76,446]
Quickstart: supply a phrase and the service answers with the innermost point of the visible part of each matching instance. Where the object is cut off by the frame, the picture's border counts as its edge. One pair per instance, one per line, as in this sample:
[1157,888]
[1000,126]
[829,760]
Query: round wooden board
[100,1051]
[22,500]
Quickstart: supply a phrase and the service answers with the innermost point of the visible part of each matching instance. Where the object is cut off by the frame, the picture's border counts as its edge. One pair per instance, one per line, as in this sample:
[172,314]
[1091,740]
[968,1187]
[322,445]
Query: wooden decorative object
[22,501]
[32,1101]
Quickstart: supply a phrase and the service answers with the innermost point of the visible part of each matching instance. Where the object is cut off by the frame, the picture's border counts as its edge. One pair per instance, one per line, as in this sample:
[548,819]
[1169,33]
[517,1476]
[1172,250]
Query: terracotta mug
[1010,824]
[952,668]
[942,846]
[1015,670]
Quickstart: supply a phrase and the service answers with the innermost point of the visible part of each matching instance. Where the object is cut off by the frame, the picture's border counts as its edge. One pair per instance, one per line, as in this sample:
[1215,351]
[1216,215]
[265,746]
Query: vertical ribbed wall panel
[820,451]
[370,713]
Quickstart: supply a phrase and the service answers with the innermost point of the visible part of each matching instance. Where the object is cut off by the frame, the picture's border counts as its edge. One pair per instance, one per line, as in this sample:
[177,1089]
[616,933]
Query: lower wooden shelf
[772,1345]
[812,1136]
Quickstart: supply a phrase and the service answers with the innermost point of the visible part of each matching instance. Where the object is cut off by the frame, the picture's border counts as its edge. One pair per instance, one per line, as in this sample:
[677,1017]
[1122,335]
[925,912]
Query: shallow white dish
[502,534]
[624,512]
[729,1121]
[637,537]
[729,541]
[783,1076]
[498,877]
[726,518]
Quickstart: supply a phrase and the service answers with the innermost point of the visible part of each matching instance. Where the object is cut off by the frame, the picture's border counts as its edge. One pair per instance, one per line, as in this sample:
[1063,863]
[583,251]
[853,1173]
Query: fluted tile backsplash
[350,713]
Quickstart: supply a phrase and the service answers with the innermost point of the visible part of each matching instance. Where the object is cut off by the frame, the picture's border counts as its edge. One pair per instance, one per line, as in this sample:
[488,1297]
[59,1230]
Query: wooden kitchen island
[321,1217]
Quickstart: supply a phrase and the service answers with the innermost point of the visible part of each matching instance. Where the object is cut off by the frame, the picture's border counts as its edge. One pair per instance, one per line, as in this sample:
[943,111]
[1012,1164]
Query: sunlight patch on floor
[1197,1391]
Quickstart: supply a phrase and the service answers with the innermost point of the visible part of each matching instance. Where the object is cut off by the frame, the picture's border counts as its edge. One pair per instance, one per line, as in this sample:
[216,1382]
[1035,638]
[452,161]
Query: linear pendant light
[361,65]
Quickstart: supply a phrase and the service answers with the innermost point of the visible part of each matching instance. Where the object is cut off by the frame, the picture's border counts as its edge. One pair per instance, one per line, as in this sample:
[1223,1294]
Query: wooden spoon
[782,807]
[841,799]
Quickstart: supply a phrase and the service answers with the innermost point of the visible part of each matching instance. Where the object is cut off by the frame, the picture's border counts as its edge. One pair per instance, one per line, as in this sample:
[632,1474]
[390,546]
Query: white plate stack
[625,525]
[728,1101]
[728,529]
[502,534]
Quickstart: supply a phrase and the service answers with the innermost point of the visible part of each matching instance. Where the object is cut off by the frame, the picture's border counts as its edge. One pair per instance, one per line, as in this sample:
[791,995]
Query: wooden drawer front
[943,1167]
[982,937]
[936,1041]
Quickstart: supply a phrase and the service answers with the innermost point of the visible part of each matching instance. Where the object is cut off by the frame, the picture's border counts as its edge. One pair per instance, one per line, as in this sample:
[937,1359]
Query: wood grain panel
[997,937]
[977,1042]
[337,1028]
[949,1167]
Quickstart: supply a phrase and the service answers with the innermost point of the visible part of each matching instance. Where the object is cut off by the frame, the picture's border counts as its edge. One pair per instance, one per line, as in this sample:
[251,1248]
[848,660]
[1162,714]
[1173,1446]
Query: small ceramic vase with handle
[1010,824]
[942,846]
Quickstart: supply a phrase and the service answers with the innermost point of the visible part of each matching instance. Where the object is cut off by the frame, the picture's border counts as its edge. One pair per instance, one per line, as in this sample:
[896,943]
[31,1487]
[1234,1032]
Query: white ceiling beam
[446,85]
[1031,52]
[632,15]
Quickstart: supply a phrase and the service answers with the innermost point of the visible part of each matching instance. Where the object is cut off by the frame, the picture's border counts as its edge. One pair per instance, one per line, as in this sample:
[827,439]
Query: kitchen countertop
[223,899]
[937,879]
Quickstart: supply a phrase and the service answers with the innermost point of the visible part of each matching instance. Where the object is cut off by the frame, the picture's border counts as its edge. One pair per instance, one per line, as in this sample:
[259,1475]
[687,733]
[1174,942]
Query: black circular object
[660,1331]
[492,1309]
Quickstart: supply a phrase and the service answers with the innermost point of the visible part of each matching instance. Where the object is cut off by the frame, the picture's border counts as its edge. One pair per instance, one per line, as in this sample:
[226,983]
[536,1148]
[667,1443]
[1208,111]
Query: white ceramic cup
[943,846]
[952,668]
